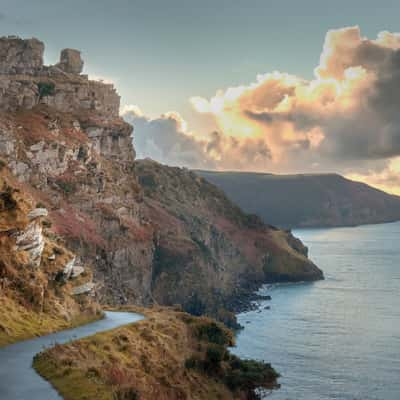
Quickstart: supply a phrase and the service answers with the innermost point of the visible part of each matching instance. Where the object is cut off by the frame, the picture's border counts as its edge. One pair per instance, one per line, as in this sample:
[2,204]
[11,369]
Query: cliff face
[148,232]
[307,200]
[208,252]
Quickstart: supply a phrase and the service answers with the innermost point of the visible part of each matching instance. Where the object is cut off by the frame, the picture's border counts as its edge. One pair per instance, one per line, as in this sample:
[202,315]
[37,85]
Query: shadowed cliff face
[307,200]
[208,252]
[148,232]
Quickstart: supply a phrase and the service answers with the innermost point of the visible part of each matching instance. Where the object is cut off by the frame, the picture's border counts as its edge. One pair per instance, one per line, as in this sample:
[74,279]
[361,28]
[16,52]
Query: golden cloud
[343,113]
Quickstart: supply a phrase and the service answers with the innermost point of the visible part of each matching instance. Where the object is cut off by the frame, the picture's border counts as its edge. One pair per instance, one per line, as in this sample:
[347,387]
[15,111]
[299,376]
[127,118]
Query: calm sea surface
[338,338]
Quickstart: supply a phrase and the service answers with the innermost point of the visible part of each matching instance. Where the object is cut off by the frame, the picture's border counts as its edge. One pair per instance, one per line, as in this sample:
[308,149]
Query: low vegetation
[169,355]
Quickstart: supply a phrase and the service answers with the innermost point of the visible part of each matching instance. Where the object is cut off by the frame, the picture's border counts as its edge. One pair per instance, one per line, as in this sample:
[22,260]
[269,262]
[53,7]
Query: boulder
[77,270]
[86,288]
[67,271]
[71,61]
[37,213]
[31,240]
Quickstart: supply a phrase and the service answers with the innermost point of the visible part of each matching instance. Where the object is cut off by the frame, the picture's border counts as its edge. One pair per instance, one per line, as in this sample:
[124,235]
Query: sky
[275,86]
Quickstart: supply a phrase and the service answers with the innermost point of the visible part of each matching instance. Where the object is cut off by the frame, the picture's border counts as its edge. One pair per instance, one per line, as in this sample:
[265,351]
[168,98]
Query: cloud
[387,179]
[345,119]
[348,112]
[165,139]
[168,140]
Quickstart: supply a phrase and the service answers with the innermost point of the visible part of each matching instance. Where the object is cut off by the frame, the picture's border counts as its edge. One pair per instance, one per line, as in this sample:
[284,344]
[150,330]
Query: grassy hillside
[170,355]
[307,200]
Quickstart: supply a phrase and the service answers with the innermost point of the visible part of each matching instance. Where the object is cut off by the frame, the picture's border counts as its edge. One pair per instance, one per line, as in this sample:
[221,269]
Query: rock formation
[31,239]
[26,82]
[20,57]
[71,61]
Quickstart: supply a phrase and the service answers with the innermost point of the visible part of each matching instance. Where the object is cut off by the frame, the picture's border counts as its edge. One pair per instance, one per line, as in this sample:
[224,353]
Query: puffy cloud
[348,112]
[168,140]
[346,119]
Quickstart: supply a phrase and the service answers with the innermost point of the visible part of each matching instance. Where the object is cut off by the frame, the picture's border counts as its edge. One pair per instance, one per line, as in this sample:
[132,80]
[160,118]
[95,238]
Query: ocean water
[338,338]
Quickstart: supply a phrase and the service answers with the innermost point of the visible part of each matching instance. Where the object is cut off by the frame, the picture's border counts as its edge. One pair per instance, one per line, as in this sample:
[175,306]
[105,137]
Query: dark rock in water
[267,308]
[265,297]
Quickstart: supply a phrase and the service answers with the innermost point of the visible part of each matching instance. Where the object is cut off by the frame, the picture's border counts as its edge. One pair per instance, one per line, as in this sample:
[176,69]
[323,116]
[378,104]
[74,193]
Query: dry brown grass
[168,356]
[32,303]
[146,358]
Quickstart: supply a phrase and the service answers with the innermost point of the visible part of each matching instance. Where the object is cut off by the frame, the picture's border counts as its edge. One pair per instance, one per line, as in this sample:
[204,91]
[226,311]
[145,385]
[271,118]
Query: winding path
[19,381]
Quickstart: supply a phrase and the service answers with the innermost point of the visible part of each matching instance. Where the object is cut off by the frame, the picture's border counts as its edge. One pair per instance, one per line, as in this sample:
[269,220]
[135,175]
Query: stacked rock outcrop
[25,81]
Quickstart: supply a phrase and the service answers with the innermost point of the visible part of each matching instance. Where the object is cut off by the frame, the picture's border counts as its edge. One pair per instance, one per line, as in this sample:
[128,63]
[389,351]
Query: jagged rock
[71,61]
[86,288]
[25,81]
[70,271]
[67,271]
[31,240]
[37,213]
[20,169]
[19,56]
[77,270]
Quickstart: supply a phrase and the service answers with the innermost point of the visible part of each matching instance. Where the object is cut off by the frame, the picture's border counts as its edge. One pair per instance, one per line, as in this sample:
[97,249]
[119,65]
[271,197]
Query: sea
[338,338]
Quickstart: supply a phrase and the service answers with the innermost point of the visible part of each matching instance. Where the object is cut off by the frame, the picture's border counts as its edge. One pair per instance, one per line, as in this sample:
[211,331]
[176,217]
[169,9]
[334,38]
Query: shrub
[66,186]
[214,356]
[46,89]
[192,362]
[214,333]
[127,393]
[6,197]
[47,223]
[249,374]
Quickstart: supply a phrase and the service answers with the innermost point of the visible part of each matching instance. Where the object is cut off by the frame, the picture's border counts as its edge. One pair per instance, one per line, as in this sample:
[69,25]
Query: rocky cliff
[149,233]
[307,200]
[41,281]
[209,254]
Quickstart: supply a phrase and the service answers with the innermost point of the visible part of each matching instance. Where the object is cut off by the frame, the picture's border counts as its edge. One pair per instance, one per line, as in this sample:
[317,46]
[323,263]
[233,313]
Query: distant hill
[306,200]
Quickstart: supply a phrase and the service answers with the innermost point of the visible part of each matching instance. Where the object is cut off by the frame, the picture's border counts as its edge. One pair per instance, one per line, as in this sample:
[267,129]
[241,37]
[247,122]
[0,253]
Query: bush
[214,357]
[47,223]
[46,89]
[125,394]
[66,186]
[7,199]
[213,332]
[192,362]
[249,374]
